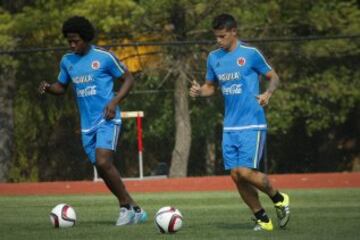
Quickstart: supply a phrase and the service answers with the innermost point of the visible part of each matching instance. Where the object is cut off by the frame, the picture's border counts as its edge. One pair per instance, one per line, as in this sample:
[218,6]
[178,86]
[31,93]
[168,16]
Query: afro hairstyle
[81,26]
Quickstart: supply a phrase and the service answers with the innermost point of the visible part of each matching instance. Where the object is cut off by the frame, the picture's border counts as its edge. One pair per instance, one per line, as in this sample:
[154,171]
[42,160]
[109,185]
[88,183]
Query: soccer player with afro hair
[92,71]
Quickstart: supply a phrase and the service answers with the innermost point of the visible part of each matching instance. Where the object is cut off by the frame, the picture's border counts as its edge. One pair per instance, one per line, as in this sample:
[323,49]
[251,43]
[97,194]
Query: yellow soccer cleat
[283,210]
[260,225]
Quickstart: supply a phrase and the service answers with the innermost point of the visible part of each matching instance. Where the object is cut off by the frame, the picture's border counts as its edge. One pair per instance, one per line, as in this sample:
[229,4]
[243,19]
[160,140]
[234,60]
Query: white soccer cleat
[126,216]
[140,217]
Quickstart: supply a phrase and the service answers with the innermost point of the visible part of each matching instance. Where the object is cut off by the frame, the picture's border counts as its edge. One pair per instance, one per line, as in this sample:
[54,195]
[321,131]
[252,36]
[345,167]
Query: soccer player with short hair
[236,68]
[92,72]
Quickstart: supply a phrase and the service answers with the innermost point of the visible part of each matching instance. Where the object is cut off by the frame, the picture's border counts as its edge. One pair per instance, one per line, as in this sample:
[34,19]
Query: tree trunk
[210,155]
[7,87]
[180,154]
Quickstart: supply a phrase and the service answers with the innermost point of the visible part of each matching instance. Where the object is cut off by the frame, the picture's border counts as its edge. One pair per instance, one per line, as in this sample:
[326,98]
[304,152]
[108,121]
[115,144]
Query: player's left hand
[43,87]
[263,99]
[195,90]
[110,111]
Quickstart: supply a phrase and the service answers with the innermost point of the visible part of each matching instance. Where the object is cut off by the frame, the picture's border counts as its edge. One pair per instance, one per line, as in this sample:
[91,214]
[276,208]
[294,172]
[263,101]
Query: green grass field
[316,214]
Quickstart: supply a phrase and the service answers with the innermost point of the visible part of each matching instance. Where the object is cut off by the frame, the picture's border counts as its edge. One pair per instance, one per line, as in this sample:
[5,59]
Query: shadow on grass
[233,226]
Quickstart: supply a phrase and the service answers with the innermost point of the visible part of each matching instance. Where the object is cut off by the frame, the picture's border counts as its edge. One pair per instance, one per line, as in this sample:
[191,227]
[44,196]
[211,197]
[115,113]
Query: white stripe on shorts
[115,136]
[256,156]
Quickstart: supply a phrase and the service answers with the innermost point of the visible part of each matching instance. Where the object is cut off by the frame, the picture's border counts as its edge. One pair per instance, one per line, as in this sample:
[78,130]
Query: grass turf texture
[316,214]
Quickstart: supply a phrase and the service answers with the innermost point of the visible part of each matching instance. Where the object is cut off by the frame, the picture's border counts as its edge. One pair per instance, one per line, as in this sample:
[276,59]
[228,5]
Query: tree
[312,117]
[7,90]
[178,20]
[314,108]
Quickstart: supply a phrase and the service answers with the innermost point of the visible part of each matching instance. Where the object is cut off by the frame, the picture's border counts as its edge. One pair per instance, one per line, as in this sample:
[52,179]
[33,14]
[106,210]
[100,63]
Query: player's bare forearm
[110,109]
[128,82]
[206,90]
[274,81]
[52,88]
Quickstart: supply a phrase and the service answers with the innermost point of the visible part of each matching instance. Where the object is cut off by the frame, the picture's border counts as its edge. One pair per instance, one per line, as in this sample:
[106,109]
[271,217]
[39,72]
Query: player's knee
[236,176]
[103,159]
[233,175]
[242,173]
[103,164]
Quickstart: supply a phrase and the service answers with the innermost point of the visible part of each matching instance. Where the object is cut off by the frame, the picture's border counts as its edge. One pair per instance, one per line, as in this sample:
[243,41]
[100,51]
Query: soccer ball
[63,216]
[168,220]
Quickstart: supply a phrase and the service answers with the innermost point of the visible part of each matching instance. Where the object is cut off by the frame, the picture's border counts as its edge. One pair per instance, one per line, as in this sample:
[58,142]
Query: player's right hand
[43,87]
[110,110]
[263,99]
[195,90]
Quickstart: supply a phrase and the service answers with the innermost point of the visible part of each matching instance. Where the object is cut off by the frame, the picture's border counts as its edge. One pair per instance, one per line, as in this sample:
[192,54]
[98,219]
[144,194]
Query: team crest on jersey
[95,65]
[241,61]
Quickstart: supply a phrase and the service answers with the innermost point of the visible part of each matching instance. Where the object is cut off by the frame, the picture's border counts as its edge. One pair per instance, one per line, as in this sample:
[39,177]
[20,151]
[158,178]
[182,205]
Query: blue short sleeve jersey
[92,76]
[237,74]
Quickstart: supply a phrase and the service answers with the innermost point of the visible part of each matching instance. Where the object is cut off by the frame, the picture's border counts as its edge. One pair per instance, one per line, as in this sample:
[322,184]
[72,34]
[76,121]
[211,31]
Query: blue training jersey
[237,73]
[92,76]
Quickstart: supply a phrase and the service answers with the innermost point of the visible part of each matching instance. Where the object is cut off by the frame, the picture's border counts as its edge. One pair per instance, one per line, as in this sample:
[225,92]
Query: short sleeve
[115,67]
[210,73]
[64,77]
[259,63]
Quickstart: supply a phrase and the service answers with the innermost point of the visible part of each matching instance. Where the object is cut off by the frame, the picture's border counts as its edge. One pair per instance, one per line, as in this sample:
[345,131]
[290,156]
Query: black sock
[277,197]
[137,209]
[127,206]
[261,214]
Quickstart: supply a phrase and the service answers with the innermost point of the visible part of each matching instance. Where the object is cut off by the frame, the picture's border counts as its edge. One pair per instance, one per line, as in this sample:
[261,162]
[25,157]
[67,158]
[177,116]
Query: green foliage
[110,17]
[158,126]
[317,100]
[6,40]
[323,100]
[40,25]
[335,17]
[5,28]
